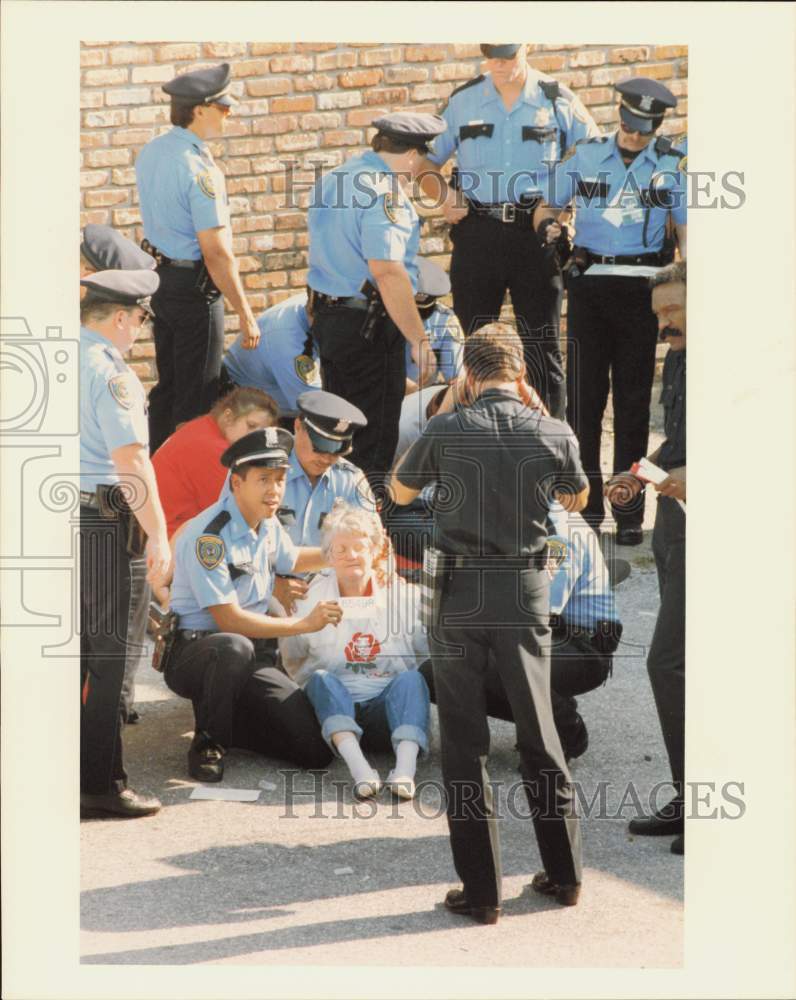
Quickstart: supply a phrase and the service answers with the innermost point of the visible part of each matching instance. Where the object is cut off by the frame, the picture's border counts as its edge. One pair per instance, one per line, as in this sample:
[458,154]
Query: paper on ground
[226,794]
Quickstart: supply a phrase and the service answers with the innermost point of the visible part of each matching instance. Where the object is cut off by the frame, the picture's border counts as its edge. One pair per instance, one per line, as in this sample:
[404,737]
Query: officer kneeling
[225,646]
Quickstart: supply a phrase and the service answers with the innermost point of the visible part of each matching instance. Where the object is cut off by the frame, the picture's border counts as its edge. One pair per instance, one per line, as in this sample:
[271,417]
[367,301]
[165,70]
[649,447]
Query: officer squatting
[299,482]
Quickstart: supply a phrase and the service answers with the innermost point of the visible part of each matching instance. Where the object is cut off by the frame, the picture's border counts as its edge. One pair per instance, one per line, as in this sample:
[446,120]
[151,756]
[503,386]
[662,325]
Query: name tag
[475,130]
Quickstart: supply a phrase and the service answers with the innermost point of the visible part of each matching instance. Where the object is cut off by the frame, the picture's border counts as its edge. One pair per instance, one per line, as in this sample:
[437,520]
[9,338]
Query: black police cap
[330,421]
[500,51]
[644,103]
[269,448]
[202,86]
[410,127]
[126,288]
[107,250]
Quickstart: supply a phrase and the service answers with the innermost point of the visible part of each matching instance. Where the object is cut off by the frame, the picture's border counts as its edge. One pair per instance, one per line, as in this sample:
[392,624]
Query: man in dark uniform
[504,465]
[666,659]
[364,237]
[507,127]
[118,493]
[628,190]
[186,225]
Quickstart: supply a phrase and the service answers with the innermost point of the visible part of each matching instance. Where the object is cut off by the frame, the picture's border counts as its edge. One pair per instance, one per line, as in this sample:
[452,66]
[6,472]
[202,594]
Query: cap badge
[646,103]
[271,437]
[342,426]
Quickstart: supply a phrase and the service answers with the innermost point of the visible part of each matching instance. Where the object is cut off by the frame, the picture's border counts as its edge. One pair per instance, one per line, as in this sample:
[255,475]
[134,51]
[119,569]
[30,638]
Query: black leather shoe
[457,902]
[133,718]
[566,895]
[629,536]
[678,845]
[576,739]
[127,803]
[663,823]
[205,759]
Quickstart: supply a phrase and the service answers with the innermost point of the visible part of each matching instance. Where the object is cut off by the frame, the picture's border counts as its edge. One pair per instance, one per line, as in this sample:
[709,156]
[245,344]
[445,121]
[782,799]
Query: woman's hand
[324,613]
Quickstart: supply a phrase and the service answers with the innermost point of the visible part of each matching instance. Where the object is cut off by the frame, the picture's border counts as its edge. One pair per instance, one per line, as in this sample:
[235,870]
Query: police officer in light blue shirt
[442,326]
[629,193]
[118,498]
[186,224]
[282,364]
[506,127]
[364,237]
[224,569]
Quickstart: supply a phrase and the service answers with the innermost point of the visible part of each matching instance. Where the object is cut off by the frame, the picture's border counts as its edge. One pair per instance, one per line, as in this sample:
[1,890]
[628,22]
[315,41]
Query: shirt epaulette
[218,522]
[343,463]
[115,360]
[468,83]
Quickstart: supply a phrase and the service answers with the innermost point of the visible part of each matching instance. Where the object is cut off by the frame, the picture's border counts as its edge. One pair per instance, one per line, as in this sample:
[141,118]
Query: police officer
[504,464]
[666,659]
[282,364]
[442,325]
[118,494]
[186,224]
[223,580]
[627,188]
[364,234]
[506,127]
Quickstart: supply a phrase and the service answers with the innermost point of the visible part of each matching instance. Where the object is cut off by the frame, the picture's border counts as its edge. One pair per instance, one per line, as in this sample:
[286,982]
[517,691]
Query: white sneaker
[368,788]
[400,786]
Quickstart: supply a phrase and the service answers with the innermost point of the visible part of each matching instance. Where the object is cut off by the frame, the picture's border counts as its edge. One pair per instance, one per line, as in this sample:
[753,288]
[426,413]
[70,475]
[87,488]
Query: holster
[432,585]
[113,506]
[205,284]
[163,626]
[376,314]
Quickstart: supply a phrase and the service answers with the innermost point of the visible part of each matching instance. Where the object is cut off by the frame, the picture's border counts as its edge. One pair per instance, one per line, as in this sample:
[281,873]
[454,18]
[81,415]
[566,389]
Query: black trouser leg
[372,376]
[212,672]
[105,588]
[478,277]
[666,659]
[136,633]
[189,344]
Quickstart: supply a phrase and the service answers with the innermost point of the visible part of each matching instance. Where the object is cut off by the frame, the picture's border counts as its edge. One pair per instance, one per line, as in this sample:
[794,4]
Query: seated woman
[361,675]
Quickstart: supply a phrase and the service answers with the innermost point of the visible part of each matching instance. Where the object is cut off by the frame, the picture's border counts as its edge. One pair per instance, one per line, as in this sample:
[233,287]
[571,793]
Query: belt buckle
[508,212]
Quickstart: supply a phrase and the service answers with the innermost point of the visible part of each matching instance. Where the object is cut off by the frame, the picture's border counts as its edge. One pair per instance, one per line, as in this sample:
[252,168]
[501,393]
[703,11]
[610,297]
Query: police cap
[330,421]
[644,103]
[267,448]
[432,281]
[107,250]
[202,86]
[126,288]
[500,51]
[411,128]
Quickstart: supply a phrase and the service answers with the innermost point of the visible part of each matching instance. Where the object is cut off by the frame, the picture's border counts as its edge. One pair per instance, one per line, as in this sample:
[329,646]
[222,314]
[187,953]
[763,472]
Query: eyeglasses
[225,109]
[634,131]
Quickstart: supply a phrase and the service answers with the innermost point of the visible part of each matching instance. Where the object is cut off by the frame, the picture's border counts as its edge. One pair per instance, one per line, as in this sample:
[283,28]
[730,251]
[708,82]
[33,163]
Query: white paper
[226,794]
[621,270]
[358,605]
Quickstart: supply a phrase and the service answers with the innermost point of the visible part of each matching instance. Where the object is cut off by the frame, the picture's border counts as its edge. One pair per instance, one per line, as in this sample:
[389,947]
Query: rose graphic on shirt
[363,648]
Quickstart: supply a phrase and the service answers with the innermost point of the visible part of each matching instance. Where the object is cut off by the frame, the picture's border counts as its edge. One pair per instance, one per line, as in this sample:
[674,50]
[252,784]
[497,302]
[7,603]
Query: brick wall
[308,104]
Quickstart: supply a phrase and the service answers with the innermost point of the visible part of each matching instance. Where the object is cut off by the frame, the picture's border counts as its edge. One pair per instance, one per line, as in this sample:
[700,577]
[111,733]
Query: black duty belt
[646,259]
[89,500]
[506,211]
[320,300]
[495,562]
[195,633]
[163,260]
[110,501]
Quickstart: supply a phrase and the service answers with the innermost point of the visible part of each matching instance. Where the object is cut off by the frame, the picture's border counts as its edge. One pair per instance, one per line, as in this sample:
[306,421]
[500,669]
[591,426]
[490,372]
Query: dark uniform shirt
[497,464]
[672,453]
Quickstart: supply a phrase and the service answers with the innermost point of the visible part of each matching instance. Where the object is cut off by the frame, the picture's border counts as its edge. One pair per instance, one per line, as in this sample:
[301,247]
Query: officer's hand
[552,233]
[158,559]
[453,210]
[623,488]
[249,333]
[324,613]
[672,487]
[426,361]
[288,590]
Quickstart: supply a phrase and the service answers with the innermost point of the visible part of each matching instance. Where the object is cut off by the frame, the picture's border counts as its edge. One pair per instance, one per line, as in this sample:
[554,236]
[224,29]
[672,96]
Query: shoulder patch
[391,206]
[206,185]
[120,390]
[569,154]
[306,368]
[682,166]
[468,83]
[210,550]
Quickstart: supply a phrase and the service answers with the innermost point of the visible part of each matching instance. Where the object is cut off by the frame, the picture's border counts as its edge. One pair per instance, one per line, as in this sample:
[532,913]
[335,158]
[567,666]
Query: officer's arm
[396,293]
[572,502]
[436,188]
[233,618]
[223,268]
[681,231]
[401,494]
[309,560]
[135,468]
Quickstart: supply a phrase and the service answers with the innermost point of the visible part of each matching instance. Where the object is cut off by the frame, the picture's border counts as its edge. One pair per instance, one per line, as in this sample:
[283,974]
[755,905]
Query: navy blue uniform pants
[491,257]
[505,614]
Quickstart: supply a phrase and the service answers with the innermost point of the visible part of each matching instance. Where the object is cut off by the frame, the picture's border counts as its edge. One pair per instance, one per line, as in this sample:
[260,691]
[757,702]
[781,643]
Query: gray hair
[670,275]
[344,517]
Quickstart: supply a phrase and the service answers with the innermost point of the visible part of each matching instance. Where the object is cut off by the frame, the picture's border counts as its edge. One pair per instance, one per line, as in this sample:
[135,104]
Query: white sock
[406,758]
[349,749]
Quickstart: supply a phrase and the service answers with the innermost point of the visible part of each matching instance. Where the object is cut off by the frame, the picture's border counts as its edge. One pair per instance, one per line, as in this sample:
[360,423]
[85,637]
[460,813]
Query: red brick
[326,101]
[132,137]
[573,80]
[137,95]
[275,124]
[670,51]
[466,50]
[431,91]
[104,199]
[245,109]
[273,280]
[127,54]
[236,127]
[292,220]
[249,147]
[178,50]
[598,95]
[249,185]
[92,57]
[104,77]
[587,57]
[632,54]
[359,78]
[547,64]
[149,116]
[94,44]
[678,87]
[408,74]
[380,57]
[453,71]
[269,202]
[91,99]
[237,206]
[328,119]
[313,81]
[298,279]
[141,369]
[93,178]
[387,95]
[658,71]
[104,119]
[108,157]
[97,217]
[364,116]
[224,50]
[336,60]
[267,87]
[426,53]
[295,141]
[249,67]
[239,165]
[268,48]
[145,350]
[124,177]
[252,223]
[305,103]
[266,165]
[291,64]
[315,46]
[604,115]
[153,74]
[342,138]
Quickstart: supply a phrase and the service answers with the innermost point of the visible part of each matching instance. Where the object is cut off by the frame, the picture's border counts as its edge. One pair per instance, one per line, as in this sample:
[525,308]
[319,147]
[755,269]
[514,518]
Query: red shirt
[189,470]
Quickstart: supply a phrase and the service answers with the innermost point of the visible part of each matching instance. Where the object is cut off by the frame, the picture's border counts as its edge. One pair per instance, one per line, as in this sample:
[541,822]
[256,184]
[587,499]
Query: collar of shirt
[296,471]
[613,150]
[188,138]
[96,338]
[530,93]
[495,393]
[237,526]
